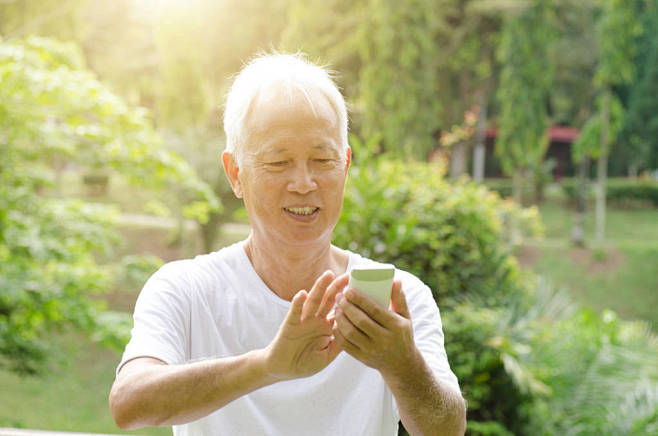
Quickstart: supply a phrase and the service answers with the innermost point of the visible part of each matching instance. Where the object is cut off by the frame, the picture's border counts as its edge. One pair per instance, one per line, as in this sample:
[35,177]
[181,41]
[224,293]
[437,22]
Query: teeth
[301,210]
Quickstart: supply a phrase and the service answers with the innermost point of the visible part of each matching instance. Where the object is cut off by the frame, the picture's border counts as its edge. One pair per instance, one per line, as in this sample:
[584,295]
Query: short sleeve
[161,318]
[428,330]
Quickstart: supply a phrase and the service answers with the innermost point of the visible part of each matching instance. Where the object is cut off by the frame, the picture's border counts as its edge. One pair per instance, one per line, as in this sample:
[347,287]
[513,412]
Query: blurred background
[506,150]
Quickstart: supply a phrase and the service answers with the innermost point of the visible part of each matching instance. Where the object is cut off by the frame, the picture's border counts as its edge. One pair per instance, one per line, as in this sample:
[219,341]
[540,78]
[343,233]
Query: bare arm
[383,340]
[427,405]
[148,392]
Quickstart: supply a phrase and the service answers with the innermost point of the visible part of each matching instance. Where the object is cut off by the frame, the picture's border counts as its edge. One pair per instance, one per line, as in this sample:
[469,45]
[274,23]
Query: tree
[617,29]
[399,75]
[574,57]
[639,139]
[52,107]
[586,147]
[525,82]
[471,63]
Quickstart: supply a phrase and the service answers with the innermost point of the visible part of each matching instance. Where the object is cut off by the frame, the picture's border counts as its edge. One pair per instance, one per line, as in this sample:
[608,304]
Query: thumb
[295,313]
[333,350]
[399,301]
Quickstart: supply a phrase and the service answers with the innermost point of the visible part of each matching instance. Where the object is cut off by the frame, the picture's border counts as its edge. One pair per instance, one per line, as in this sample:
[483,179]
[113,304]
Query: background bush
[456,237]
[617,190]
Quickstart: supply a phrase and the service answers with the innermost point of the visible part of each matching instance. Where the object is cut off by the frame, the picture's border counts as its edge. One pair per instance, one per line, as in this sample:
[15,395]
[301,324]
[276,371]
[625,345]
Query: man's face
[293,172]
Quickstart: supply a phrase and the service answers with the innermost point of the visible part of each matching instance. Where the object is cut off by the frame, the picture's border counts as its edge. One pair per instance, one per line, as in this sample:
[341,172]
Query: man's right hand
[304,344]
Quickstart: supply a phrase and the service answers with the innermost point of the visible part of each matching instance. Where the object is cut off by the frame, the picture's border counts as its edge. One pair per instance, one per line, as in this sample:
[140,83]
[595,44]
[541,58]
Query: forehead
[291,112]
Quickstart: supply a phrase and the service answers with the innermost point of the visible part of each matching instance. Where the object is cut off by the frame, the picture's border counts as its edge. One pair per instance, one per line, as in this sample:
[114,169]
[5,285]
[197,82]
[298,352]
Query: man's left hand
[378,337]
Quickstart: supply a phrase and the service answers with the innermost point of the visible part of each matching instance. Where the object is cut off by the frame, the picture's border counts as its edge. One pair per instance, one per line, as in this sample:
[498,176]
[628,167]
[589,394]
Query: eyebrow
[276,150]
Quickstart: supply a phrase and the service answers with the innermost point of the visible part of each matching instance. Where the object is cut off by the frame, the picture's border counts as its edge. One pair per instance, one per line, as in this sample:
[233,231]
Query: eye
[279,163]
[324,161]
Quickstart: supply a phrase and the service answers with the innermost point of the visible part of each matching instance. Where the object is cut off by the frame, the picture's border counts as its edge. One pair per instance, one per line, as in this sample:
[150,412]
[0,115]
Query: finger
[360,319]
[345,344]
[332,350]
[374,310]
[329,298]
[295,312]
[399,300]
[350,331]
[317,292]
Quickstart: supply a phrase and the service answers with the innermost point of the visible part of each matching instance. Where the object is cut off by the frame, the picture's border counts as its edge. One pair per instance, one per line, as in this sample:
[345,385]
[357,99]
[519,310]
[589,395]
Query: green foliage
[504,188]
[525,81]
[588,143]
[136,269]
[53,111]
[487,428]
[619,190]
[455,237]
[594,364]
[493,397]
[640,132]
[617,29]
[538,365]
[399,78]
[574,58]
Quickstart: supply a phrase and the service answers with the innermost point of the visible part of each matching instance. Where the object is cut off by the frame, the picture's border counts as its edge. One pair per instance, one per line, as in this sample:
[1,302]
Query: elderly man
[265,337]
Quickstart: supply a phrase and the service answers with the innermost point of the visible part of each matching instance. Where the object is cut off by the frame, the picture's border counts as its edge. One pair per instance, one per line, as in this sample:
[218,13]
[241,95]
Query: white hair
[287,73]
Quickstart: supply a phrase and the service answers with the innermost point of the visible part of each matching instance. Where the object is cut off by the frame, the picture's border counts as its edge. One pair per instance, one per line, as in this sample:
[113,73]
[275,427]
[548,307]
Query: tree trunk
[515,231]
[578,231]
[602,168]
[632,170]
[458,159]
[479,150]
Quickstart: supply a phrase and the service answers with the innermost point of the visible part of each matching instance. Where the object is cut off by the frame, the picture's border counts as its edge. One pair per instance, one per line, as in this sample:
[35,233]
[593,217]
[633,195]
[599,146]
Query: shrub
[617,190]
[603,376]
[504,188]
[455,237]
[539,365]
[493,396]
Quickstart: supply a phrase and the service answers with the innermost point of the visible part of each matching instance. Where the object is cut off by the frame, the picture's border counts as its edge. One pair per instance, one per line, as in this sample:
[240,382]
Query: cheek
[260,185]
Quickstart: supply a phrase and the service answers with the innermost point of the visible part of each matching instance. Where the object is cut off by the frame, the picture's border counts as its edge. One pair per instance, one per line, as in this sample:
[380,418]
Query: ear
[348,155]
[232,170]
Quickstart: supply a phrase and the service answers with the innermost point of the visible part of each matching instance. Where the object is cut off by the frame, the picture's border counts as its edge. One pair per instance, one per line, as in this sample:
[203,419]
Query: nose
[302,180]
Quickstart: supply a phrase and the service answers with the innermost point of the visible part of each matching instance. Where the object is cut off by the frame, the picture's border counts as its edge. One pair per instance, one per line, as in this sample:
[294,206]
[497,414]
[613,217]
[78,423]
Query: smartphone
[375,282]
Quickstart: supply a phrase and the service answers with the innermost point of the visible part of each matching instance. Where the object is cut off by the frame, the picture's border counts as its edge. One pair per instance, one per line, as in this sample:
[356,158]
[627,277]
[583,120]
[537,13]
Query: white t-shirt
[216,305]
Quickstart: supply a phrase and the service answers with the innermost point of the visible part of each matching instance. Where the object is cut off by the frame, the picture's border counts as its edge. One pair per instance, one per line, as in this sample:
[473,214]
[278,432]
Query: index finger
[330,295]
[315,297]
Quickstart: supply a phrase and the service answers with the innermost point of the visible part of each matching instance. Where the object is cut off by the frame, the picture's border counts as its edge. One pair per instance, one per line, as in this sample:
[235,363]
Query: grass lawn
[622,275]
[69,397]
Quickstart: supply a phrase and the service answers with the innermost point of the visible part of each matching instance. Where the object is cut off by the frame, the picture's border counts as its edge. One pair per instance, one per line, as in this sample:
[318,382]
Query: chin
[306,238]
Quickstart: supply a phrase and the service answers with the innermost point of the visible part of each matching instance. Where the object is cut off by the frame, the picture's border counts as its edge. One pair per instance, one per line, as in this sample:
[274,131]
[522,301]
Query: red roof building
[561,138]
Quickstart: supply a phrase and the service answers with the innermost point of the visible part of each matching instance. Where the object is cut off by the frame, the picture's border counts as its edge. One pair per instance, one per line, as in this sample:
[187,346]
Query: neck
[287,270]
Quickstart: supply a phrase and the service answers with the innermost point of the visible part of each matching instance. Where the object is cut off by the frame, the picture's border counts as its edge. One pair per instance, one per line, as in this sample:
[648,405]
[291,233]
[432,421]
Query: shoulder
[201,272]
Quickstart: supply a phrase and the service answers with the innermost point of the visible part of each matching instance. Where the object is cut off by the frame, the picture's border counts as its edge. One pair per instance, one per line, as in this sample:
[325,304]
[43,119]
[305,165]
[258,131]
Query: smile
[301,210]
